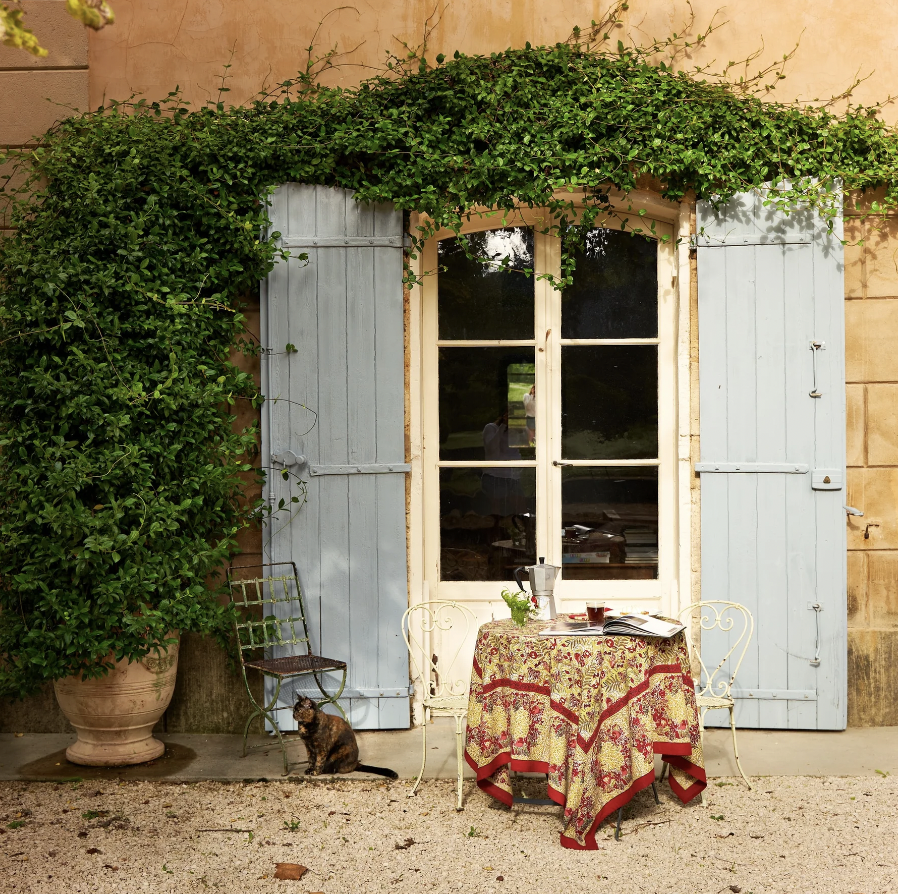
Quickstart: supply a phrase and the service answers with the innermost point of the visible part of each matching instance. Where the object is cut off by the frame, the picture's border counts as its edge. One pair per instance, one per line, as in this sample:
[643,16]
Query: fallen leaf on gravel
[110,866]
[500,878]
[120,822]
[750,835]
[94,850]
[404,847]
[291,871]
[725,836]
[82,834]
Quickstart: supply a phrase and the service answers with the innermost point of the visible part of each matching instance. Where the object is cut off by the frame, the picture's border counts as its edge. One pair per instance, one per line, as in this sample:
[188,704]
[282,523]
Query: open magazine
[620,625]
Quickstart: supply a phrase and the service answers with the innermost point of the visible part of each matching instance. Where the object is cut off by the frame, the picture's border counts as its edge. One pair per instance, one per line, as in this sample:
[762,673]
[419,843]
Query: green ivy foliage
[120,471]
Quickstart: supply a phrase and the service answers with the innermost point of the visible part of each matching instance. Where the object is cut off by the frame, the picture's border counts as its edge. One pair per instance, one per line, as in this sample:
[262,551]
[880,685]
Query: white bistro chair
[714,693]
[436,633]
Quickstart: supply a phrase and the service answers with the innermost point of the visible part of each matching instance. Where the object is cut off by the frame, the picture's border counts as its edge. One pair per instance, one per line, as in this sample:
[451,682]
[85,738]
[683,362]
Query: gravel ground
[816,835]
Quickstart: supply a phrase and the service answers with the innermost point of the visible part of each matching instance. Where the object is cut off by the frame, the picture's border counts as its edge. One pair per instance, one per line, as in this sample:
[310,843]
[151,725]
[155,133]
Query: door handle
[560,463]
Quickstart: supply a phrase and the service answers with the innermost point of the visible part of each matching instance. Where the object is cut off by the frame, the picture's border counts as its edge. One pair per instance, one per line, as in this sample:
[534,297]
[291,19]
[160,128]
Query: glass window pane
[487,523]
[482,403]
[478,299]
[615,288]
[609,402]
[609,522]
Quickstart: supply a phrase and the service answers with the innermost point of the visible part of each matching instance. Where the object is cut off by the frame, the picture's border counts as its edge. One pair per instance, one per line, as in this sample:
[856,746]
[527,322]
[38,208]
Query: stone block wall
[871,361]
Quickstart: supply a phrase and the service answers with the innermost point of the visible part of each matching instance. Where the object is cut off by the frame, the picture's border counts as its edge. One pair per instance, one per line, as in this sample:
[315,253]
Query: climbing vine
[143,225]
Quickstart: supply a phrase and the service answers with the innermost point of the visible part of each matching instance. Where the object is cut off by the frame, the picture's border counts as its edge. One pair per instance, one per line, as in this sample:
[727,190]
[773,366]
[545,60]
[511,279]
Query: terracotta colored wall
[34,92]
[157,44]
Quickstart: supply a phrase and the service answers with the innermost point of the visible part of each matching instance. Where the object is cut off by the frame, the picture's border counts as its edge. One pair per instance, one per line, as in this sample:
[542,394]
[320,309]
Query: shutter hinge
[360,469]
[702,240]
[342,242]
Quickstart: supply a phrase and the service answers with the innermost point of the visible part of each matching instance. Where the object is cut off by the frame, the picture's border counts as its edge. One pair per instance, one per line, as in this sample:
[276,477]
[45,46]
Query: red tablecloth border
[672,752]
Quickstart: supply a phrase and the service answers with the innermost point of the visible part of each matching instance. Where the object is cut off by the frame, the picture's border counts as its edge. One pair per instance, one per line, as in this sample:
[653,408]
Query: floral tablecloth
[591,712]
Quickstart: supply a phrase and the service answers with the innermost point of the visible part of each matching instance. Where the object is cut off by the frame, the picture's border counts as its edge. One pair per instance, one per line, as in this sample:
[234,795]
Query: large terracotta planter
[114,715]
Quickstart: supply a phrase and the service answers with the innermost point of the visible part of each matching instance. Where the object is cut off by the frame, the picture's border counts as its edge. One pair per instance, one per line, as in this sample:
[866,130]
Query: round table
[589,711]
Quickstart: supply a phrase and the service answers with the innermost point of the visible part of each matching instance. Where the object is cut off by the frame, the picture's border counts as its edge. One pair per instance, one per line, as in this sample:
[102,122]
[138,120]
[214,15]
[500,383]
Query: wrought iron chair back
[282,627]
[426,629]
[436,632]
[252,596]
[717,693]
[729,617]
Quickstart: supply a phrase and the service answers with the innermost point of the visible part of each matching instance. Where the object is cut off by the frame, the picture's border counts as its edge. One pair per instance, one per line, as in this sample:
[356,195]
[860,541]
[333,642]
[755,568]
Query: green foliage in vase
[520,605]
[141,225]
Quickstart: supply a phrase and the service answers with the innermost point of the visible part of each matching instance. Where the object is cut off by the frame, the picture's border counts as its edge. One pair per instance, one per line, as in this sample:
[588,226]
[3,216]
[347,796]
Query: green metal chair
[260,629]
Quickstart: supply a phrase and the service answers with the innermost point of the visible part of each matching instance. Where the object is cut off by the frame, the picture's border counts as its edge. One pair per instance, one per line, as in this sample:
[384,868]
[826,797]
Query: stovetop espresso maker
[542,586]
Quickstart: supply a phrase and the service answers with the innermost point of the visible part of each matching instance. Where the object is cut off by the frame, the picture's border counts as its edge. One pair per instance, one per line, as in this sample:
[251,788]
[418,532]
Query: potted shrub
[121,470]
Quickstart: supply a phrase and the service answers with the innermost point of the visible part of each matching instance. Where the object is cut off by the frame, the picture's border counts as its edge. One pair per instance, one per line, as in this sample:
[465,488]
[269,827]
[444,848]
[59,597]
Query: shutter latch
[816,346]
[289,458]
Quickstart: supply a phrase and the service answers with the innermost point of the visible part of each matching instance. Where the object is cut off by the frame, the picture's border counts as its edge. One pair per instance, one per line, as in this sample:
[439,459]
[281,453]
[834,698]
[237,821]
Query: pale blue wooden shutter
[770,288]
[339,401]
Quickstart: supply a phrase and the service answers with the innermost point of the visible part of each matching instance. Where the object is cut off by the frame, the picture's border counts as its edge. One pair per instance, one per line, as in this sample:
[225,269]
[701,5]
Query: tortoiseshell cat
[330,742]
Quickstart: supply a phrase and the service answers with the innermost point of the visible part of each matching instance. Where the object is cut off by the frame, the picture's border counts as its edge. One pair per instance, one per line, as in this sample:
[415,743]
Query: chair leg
[620,816]
[256,713]
[423,751]
[332,699]
[655,793]
[701,728]
[458,755]
[736,750]
[268,714]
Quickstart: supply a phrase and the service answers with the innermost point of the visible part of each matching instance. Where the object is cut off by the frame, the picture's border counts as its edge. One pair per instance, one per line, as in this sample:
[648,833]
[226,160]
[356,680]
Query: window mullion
[548,425]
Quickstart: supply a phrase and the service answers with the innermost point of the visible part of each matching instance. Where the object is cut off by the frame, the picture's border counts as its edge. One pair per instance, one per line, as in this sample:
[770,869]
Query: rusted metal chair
[268,609]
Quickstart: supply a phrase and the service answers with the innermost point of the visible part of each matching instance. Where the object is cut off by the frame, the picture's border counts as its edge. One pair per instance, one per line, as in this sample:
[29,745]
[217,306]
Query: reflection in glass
[482,408]
[615,288]
[610,523]
[478,298]
[609,402]
[487,523]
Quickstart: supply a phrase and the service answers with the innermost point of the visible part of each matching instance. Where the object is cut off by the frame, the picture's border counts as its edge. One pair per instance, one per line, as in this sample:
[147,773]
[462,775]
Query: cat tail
[380,771]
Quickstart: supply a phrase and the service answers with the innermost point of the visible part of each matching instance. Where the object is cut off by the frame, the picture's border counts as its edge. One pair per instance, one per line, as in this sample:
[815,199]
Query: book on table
[619,625]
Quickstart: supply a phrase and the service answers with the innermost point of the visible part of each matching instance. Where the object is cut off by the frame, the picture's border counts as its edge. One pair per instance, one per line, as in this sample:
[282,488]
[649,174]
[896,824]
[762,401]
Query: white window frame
[673,422]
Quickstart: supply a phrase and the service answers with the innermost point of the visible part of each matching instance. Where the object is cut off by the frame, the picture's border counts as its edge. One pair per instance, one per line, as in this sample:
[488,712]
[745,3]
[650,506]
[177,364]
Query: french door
[549,416]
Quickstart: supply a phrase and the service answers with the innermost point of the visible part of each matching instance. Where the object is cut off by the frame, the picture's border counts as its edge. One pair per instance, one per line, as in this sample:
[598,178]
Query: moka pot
[542,586]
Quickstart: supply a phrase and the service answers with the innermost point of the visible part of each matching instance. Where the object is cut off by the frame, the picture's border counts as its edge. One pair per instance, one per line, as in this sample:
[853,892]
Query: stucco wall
[155,45]
[35,93]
